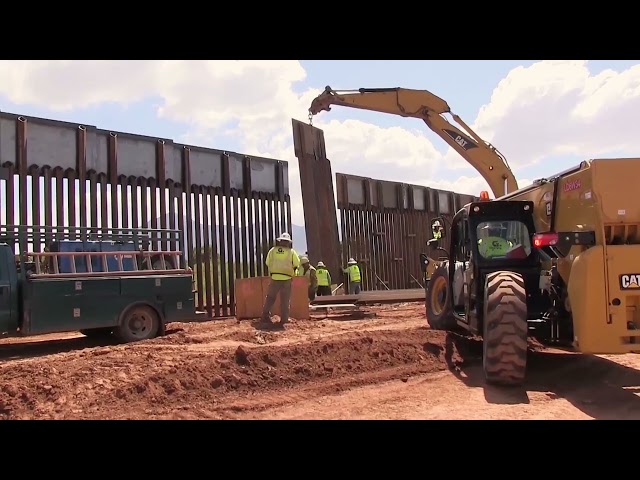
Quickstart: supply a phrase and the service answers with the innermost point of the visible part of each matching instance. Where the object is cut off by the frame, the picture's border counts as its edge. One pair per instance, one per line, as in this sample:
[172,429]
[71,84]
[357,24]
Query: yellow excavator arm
[482,156]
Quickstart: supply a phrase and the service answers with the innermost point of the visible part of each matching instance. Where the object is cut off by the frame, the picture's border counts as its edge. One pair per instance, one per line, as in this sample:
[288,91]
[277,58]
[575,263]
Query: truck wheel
[138,323]
[504,352]
[439,313]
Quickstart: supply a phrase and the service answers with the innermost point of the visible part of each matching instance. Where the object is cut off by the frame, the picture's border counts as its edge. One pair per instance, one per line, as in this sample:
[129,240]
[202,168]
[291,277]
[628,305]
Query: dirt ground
[391,366]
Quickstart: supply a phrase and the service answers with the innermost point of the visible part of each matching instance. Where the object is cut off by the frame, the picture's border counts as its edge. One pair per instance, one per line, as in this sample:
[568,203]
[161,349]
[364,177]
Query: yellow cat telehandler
[558,260]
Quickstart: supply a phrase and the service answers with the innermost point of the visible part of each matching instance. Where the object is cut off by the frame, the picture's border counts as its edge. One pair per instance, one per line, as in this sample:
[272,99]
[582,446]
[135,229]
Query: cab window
[503,240]
[462,245]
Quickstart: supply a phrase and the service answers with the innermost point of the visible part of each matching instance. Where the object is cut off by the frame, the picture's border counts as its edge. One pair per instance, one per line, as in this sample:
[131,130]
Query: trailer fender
[161,327]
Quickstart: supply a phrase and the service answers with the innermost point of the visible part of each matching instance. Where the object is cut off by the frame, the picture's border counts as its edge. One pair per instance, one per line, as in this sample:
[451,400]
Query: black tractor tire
[504,352]
[437,303]
[97,332]
[139,322]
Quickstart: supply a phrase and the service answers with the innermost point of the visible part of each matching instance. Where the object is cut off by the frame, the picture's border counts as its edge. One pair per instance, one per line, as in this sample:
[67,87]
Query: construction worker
[282,262]
[309,271]
[494,244]
[353,270]
[324,280]
[436,229]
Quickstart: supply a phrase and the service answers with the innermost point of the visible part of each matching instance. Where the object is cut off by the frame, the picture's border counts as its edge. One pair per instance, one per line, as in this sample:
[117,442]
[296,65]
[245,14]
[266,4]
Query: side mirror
[424,262]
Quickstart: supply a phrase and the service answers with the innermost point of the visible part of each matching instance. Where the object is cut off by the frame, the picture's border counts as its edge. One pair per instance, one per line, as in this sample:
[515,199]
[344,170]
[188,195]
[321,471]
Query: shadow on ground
[599,387]
[267,326]
[34,349]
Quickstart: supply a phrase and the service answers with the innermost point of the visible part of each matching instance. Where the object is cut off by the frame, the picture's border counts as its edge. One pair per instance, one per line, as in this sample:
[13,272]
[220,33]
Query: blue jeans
[354,288]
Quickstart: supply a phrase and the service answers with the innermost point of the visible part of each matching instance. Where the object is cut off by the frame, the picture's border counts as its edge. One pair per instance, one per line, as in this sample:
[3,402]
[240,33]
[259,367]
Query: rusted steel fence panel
[62,175]
[316,181]
[385,226]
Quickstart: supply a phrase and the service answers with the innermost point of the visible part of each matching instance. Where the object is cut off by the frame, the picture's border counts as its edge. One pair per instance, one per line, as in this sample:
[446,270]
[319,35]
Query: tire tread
[505,329]
[445,321]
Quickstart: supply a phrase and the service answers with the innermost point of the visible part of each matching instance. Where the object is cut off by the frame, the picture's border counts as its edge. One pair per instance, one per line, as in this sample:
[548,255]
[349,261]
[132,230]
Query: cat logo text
[630,281]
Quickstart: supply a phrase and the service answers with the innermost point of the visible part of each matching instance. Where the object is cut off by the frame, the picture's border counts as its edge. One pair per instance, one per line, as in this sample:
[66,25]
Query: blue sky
[449,79]
[358,142]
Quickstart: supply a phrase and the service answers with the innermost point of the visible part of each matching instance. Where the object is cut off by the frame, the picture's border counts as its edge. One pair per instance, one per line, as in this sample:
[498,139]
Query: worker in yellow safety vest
[353,270]
[494,244]
[282,262]
[309,271]
[324,280]
[436,229]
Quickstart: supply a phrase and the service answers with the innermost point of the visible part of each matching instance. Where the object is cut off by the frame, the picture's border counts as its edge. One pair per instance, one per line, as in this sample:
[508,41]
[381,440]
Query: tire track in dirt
[560,385]
[391,366]
[133,382]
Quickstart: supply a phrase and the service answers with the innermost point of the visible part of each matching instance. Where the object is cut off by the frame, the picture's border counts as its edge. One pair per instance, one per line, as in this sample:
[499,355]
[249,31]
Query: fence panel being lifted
[229,206]
[385,225]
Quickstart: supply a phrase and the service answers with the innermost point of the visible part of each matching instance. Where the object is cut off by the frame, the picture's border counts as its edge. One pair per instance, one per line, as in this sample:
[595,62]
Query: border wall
[230,206]
[385,226]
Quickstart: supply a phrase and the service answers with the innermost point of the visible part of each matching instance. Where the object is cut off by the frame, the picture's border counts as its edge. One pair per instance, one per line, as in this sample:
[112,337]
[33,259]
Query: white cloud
[559,107]
[549,108]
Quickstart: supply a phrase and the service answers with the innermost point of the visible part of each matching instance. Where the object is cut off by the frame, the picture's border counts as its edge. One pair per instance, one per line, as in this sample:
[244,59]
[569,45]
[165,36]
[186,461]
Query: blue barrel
[64,263]
[112,261]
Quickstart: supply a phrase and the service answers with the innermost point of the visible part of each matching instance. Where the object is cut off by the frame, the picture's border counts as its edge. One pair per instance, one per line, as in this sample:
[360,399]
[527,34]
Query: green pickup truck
[98,286]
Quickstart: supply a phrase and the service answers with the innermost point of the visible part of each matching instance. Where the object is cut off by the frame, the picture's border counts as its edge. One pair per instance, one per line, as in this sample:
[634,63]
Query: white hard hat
[351,260]
[304,260]
[284,237]
[436,223]
[321,264]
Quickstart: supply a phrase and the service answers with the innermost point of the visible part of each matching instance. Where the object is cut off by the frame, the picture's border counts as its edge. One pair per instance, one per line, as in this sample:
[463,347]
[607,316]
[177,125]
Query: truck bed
[67,304]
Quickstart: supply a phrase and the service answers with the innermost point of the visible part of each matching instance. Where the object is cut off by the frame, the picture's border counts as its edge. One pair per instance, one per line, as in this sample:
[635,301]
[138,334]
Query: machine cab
[494,234]
[486,237]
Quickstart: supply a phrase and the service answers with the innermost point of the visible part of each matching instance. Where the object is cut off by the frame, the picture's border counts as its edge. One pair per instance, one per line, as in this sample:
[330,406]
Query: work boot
[266,320]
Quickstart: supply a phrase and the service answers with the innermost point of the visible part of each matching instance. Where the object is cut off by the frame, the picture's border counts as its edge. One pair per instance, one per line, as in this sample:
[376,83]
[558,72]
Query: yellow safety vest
[323,277]
[493,246]
[437,234]
[282,262]
[354,273]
